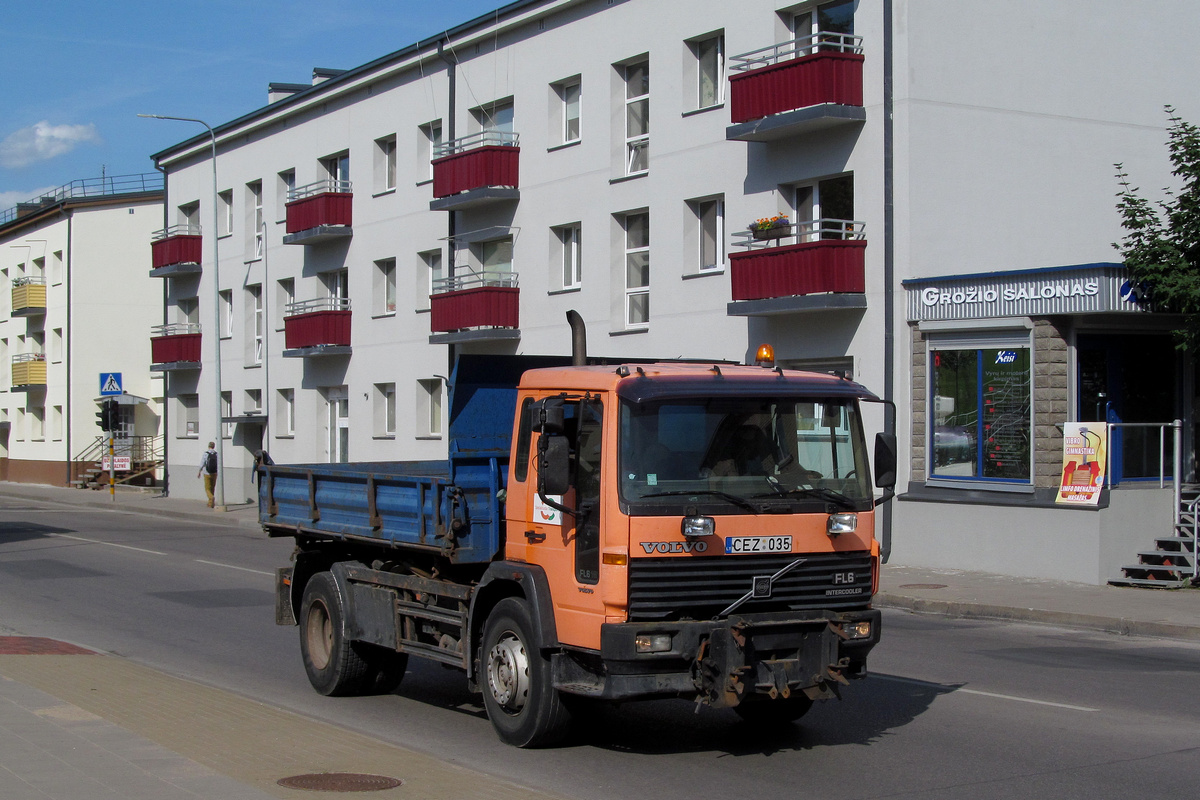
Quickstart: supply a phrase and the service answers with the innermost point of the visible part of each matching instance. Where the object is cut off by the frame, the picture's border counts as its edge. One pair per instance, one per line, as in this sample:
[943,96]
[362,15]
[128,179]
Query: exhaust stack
[578,339]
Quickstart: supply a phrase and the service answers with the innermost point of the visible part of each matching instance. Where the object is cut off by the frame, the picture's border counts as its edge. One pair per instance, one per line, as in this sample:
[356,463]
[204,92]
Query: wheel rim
[508,673]
[319,635]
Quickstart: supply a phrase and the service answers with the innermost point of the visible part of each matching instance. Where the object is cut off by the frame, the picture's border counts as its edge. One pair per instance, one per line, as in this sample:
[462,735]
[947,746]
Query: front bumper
[721,662]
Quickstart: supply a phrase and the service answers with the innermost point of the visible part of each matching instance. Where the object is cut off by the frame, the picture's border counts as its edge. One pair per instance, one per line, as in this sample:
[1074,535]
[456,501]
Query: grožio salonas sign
[1054,290]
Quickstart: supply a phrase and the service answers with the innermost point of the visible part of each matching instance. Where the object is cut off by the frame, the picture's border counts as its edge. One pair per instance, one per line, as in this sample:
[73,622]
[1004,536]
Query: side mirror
[554,465]
[885,460]
[547,416]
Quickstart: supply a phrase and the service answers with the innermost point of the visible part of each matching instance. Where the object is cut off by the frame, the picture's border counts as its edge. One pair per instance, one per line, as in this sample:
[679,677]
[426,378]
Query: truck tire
[773,712]
[522,703]
[334,667]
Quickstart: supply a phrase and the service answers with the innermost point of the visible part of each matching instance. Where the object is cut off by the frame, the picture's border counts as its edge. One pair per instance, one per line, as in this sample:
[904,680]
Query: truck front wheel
[522,703]
[334,667]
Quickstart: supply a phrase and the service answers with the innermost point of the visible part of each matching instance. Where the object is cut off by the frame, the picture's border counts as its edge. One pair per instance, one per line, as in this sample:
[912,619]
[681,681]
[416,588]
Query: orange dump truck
[599,532]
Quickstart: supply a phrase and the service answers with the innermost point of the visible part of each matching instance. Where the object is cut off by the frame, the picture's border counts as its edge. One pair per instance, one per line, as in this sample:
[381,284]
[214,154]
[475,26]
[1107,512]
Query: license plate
[758,544]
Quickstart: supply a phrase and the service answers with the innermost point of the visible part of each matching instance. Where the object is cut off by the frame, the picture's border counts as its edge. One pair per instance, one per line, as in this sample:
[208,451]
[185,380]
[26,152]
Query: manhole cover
[339,782]
[923,586]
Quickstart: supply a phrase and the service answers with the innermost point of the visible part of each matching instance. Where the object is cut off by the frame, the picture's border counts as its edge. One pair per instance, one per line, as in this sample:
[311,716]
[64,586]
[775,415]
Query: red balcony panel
[482,307]
[490,165]
[328,208]
[175,250]
[179,347]
[823,77]
[829,265]
[317,328]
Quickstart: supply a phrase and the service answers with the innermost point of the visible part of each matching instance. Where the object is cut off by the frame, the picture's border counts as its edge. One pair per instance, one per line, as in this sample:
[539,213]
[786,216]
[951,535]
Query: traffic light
[102,416]
[113,415]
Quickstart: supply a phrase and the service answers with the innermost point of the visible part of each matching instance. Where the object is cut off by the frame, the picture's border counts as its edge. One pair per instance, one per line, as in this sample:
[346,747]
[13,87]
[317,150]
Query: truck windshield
[740,455]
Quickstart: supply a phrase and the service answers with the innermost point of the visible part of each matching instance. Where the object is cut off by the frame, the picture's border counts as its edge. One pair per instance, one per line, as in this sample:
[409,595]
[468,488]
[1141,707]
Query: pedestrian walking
[208,468]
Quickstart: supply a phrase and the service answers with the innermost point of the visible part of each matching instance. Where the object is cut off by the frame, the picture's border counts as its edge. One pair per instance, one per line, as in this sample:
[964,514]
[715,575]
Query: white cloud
[43,141]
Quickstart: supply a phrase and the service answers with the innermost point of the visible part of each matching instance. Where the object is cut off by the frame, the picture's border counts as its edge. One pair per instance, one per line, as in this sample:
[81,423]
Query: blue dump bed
[452,506]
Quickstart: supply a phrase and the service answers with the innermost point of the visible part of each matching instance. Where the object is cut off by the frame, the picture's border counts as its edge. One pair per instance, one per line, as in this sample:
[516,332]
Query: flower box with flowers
[776,227]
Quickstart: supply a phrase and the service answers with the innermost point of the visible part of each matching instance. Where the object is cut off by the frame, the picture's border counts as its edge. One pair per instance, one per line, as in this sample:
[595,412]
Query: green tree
[1161,246]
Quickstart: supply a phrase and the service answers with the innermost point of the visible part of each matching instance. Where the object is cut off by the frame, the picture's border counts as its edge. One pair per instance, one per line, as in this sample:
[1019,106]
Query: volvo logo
[674,547]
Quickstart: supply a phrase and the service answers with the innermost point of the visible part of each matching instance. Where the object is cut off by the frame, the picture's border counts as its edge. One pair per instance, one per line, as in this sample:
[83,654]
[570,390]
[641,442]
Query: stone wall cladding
[1050,399]
[918,404]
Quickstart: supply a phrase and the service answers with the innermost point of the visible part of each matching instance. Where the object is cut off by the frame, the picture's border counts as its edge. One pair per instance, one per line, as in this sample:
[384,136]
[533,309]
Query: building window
[384,293]
[496,261]
[709,53]
[825,209]
[226,297]
[189,416]
[337,169]
[226,412]
[980,404]
[429,140]
[56,348]
[637,118]
[496,117]
[283,192]
[567,244]
[56,423]
[254,220]
[385,164]
[37,423]
[285,406]
[429,277]
[189,216]
[56,267]
[285,295]
[827,22]
[637,269]
[568,95]
[385,409]
[225,212]
[710,233]
[257,326]
[338,401]
[429,407]
[337,284]
[254,401]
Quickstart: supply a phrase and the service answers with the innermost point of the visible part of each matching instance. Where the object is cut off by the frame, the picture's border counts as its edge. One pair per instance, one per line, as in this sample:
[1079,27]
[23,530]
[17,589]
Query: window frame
[698,207]
[569,249]
[632,251]
[696,46]
[637,146]
[385,164]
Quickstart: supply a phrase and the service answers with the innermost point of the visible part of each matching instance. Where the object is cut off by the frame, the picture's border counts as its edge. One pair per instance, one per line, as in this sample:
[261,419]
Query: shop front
[1000,362]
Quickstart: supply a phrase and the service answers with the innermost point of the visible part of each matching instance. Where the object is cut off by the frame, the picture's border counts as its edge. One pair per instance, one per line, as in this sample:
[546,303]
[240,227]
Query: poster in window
[1085,445]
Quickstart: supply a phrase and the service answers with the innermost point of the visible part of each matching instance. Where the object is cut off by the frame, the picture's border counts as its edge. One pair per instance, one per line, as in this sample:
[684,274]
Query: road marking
[985,694]
[110,544]
[231,566]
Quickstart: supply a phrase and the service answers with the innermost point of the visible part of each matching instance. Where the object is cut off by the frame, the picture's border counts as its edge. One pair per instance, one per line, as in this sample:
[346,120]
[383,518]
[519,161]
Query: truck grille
[702,587]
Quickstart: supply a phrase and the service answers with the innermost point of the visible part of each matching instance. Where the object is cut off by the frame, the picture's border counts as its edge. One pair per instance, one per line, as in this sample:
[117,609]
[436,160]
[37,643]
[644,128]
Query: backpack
[210,462]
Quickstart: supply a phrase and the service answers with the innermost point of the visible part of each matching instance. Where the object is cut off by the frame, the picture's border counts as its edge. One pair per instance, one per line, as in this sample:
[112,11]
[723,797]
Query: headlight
[857,630]
[837,524]
[692,527]
[652,643]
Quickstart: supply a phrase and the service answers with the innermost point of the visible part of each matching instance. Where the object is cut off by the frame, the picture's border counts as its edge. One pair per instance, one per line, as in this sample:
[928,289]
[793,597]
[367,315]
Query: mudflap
[775,658]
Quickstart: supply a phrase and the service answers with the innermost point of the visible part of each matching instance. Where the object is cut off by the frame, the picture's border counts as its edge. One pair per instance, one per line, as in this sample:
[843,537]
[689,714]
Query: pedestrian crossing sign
[110,384]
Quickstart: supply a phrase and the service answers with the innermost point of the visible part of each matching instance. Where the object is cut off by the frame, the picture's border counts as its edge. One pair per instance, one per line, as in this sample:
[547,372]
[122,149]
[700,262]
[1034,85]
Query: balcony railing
[87,187]
[319,211]
[484,160]
[475,300]
[175,346]
[818,69]
[315,327]
[28,296]
[175,250]
[28,369]
[817,257]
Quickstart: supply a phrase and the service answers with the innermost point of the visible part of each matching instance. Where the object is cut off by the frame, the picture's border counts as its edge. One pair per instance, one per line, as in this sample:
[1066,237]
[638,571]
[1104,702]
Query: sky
[80,71]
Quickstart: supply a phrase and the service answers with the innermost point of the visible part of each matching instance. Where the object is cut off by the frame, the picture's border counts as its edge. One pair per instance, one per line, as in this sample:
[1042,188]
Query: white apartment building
[942,171]
[73,263]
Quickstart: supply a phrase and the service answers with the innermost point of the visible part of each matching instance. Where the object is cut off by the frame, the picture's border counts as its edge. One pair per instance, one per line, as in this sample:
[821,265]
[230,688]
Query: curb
[1065,619]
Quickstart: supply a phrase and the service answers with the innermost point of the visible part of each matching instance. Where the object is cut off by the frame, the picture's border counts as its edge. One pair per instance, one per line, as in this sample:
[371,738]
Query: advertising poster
[1085,445]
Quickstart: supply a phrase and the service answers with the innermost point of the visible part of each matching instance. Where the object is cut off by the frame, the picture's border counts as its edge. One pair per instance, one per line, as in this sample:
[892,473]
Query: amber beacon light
[765,357]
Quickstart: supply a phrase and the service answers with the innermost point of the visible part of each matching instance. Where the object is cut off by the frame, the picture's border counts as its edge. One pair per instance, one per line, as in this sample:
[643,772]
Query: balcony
[317,328]
[476,170]
[796,87]
[28,372]
[28,296]
[175,251]
[319,212]
[476,306]
[175,347]
[808,266]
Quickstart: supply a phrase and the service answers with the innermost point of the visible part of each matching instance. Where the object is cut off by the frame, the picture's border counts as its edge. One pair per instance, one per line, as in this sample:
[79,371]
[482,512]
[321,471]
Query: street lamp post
[216,307]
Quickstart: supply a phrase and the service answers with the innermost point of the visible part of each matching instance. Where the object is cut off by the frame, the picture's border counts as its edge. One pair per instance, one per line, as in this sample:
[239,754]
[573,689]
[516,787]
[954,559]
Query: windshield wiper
[732,498]
[813,491]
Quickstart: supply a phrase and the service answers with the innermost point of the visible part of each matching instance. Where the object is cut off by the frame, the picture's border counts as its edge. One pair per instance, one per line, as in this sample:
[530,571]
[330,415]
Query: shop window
[980,409]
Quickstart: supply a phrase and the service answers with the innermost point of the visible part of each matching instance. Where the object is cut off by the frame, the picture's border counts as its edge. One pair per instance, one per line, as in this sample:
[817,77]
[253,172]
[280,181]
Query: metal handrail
[88,187]
[796,48]
[175,329]
[320,304]
[23,358]
[29,280]
[183,229]
[475,140]
[808,231]
[472,279]
[324,186]
[1194,509]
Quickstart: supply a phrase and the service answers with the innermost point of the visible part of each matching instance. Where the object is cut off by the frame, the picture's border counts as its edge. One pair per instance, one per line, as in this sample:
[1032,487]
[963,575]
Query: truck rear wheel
[773,712]
[334,667]
[522,703]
